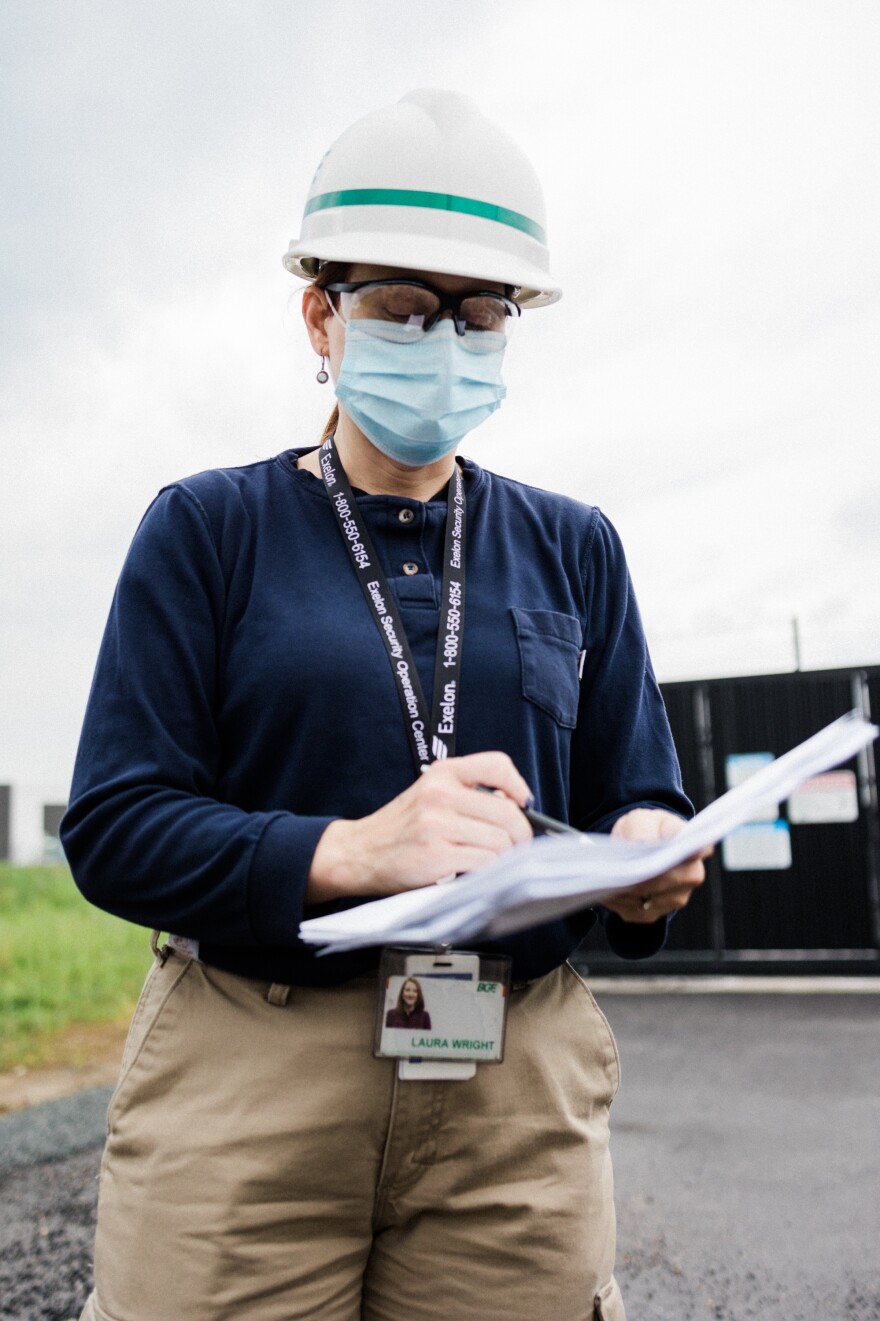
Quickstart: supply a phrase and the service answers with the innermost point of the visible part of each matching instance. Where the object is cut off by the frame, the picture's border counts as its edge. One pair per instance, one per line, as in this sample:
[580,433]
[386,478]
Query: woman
[250,754]
[410,1009]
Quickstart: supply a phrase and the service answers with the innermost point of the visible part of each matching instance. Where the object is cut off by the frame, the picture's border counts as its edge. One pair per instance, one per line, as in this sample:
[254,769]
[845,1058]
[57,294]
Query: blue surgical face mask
[416,398]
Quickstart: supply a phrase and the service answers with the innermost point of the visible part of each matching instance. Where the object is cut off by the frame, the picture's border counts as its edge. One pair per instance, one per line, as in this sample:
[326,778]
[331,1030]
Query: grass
[62,962]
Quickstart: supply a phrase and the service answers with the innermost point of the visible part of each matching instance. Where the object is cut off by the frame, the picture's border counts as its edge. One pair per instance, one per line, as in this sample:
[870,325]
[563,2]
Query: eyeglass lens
[416,306]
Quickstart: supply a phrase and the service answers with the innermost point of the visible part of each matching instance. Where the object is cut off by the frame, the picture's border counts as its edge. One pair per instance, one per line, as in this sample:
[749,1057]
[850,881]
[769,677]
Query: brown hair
[329,273]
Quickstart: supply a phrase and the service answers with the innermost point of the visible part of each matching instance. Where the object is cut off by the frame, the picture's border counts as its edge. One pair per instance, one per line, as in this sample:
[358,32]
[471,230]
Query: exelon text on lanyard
[437,740]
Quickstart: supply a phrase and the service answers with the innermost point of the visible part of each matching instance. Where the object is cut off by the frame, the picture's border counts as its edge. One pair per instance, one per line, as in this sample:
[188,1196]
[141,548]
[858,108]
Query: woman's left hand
[668,892]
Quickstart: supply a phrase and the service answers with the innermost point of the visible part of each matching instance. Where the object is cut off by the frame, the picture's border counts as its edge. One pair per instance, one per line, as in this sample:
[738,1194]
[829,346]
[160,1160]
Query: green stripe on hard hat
[436,201]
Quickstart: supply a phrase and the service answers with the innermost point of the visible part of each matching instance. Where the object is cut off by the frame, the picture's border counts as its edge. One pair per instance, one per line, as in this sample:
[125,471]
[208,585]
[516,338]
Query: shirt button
[406,515]
[409,568]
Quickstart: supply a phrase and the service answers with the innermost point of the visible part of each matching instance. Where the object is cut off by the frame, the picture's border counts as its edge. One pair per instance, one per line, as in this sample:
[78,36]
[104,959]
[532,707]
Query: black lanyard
[437,740]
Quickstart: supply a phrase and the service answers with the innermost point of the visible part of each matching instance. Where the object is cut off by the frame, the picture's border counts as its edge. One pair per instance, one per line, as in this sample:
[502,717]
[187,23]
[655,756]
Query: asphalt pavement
[747,1160]
[746,1153]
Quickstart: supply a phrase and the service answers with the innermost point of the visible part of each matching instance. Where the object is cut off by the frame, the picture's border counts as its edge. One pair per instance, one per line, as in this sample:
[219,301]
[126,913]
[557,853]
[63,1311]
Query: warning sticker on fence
[759,846]
[741,766]
[824,798]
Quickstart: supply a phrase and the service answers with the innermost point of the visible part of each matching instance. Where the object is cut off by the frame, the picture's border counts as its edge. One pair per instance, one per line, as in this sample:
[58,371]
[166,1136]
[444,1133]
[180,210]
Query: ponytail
[330,425]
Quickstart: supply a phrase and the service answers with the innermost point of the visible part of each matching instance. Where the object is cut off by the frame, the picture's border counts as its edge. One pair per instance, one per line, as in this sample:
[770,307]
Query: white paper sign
[823,798]
[741,766]
[758,846]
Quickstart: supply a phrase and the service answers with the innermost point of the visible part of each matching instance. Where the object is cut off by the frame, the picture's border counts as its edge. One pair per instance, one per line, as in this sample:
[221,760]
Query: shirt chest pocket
[549,644]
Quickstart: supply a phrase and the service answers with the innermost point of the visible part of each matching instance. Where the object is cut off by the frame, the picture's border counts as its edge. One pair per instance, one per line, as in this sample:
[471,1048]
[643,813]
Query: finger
[669,825]
[635,913]
[467,858]
[644,917]
[494,769]
[685,874]
[647,823]
[447,862]
[650,823]
[662,893]
[493,836]
[633,910]
[496,808]
[444,799]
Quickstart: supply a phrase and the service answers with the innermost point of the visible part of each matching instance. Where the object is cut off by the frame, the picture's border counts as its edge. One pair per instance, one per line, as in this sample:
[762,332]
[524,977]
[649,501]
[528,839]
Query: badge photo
[441,1006]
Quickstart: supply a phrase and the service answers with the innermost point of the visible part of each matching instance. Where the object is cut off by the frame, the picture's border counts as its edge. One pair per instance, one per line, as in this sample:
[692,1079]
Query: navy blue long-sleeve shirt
[243,699]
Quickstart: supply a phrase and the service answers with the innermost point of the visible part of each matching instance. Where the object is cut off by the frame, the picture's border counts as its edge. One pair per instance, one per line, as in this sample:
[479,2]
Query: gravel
[745,1150]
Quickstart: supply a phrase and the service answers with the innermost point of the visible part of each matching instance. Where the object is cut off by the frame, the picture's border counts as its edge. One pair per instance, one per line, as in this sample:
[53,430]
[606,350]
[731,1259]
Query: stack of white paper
[549,877]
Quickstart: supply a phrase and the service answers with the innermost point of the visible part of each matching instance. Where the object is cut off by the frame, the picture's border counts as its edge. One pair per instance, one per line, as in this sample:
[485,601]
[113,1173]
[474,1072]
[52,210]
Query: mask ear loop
[335,310]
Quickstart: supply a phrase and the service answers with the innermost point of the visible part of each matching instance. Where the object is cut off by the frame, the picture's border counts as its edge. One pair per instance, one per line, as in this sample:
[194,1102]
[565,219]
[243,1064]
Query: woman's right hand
[437,827]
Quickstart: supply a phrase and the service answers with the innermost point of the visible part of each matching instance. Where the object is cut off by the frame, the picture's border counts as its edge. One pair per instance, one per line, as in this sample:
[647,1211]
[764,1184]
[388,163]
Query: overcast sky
[710,378]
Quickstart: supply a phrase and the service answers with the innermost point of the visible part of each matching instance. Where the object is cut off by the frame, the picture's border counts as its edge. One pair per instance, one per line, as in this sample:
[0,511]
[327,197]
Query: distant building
[5,822]
[52,814]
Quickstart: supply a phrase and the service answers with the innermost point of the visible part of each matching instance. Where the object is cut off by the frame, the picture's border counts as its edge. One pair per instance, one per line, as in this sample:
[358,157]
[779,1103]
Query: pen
[541,824]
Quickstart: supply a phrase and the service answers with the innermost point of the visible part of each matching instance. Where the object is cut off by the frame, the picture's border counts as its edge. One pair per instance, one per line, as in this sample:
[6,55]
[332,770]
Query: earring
[322,376]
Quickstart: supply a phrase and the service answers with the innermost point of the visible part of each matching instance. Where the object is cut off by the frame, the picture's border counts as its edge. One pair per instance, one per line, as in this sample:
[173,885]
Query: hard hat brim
[418,252]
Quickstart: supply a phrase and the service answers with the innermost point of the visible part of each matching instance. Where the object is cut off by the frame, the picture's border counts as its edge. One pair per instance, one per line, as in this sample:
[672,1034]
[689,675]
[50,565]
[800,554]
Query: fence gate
[801,891]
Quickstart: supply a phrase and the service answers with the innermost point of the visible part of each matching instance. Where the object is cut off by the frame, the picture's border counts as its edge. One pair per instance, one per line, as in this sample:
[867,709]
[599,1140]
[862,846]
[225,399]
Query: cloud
[709,377]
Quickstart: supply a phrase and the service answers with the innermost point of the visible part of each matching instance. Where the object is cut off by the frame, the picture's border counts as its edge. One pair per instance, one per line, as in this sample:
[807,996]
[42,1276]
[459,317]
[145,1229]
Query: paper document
[550,877]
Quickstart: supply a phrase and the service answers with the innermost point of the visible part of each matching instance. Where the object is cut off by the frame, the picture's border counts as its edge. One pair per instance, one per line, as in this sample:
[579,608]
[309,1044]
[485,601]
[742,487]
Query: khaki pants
[261,1165]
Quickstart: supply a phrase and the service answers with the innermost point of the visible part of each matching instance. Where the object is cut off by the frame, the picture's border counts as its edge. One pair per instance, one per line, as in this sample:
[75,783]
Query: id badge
[441,1007]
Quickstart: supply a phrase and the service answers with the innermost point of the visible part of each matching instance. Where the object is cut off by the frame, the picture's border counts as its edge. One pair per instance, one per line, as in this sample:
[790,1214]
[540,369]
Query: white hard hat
[429,184]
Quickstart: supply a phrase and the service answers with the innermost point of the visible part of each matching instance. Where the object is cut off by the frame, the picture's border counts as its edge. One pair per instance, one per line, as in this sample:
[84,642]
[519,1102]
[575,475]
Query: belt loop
[161,954]
[278,994]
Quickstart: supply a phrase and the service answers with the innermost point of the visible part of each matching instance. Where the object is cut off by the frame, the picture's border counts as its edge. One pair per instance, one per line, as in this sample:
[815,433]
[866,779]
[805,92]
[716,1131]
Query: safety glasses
[405,310]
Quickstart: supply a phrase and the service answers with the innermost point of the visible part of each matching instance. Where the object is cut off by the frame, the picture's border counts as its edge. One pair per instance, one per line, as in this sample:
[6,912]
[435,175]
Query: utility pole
[796,632]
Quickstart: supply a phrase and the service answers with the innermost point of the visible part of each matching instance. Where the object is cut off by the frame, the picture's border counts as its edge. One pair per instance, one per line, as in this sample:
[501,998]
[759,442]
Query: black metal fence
[822,911]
